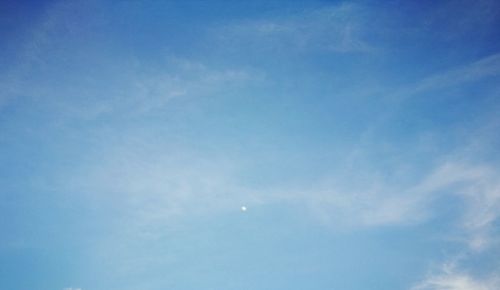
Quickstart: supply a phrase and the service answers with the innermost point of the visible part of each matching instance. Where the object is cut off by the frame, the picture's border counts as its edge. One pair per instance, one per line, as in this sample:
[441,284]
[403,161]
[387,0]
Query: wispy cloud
[65,73]
[339,28]
[451,278]
[483,68]
[480,189]
[379,203]
[129,90]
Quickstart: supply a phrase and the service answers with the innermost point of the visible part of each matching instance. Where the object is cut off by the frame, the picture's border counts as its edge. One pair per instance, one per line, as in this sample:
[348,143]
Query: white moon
[243,208]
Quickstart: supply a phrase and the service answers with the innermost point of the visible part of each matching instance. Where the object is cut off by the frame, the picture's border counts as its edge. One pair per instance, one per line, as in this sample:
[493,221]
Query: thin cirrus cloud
[341,29]
[451,278]
[56,48]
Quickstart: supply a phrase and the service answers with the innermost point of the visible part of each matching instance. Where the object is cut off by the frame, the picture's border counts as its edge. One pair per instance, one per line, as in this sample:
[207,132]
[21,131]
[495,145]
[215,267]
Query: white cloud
[63,72]
[128,88]
[454,282]
[479,187]
[337,28]
[452,279]
[454,173]
[485,67]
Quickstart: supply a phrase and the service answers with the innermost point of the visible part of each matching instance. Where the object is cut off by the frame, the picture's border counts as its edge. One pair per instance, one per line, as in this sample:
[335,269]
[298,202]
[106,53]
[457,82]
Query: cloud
[67,69]
[154,182]
[483,68]
[338,28]
[479,187]
[452,279]
[378,203]
[454,282]
[457,172]
[130,87]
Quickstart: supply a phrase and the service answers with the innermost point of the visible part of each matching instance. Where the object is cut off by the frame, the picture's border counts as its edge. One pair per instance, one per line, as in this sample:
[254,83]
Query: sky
[284,145]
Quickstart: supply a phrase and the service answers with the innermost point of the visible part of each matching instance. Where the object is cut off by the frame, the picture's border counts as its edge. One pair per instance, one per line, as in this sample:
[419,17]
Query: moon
[243,208]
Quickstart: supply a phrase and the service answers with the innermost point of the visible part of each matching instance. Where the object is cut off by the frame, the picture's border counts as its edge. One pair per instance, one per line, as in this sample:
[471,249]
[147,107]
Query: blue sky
[362,136]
